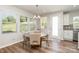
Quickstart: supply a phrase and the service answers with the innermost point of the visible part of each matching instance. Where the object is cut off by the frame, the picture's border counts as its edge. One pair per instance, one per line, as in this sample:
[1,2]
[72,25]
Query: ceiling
[45,9]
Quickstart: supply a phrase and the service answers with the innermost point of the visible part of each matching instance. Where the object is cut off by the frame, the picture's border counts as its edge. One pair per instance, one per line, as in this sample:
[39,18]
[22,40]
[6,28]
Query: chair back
[24,37]
[35,38]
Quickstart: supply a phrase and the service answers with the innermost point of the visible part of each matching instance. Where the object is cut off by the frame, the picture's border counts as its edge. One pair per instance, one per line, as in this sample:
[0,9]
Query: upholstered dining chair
[26,41]
[35,39]
[45,39]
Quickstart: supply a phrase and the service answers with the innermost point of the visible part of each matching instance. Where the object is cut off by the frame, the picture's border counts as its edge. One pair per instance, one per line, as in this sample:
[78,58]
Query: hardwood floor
[55,47]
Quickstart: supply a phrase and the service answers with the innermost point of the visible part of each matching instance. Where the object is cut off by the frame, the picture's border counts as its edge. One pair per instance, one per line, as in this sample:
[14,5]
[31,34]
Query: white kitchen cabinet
[66,19]
[68,35]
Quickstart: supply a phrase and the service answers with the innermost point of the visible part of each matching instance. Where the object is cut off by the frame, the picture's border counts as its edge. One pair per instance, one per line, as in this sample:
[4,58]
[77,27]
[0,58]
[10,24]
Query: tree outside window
[8,24]
[32,24]
[43,22]
[23,24]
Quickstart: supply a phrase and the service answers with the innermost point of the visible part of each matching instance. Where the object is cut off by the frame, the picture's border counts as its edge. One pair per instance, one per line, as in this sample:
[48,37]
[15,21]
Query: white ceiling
[45,9]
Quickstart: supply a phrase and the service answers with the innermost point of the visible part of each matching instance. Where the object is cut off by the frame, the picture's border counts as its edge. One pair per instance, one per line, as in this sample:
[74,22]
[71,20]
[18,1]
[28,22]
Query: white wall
[7,39]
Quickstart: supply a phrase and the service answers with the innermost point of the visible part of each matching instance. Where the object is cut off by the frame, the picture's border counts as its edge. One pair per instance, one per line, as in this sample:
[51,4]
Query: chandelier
[37,14]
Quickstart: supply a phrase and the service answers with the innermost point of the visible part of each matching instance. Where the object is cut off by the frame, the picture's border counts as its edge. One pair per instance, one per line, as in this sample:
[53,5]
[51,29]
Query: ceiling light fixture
[37,13]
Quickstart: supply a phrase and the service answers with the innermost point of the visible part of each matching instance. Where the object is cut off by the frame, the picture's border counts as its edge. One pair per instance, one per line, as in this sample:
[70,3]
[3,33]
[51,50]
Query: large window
[43,22]
[55,26]
[9,24]
[26,24]
[32,24]
[23,24]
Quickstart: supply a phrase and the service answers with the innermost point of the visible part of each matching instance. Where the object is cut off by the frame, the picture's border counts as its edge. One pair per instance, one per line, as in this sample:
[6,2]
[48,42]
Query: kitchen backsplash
[68,27]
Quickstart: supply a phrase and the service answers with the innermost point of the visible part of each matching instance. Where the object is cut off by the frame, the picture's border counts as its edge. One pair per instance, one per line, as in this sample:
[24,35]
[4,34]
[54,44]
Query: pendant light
[37,13]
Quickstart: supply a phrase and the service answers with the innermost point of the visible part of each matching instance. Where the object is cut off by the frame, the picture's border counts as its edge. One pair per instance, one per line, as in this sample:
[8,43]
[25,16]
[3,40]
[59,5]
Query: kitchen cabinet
[68,35]
[66,19]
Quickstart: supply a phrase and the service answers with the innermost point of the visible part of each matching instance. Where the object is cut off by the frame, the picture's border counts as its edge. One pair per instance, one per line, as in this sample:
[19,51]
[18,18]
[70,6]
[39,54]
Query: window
[43,22]
[55,26]
[32,24]
[26,24]
[23,24]
[8,24]
[76,22]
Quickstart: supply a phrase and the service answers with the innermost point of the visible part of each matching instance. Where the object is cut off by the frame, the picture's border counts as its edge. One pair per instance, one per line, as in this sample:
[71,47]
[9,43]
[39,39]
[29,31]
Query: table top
[27,35]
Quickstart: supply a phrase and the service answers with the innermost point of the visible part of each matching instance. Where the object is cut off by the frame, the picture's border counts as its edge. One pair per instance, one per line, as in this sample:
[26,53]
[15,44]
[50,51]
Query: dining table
[28,37]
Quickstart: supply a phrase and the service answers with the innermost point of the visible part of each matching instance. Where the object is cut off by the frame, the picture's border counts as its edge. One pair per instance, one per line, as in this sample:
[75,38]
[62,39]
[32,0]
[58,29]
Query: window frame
[25,26]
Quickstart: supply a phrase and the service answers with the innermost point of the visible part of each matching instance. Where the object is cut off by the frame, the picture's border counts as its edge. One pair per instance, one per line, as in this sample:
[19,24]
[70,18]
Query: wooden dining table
[42,35]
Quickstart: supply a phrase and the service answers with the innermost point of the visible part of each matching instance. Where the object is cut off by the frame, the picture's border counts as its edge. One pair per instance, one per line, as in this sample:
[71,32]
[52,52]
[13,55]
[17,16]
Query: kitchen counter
[68,35]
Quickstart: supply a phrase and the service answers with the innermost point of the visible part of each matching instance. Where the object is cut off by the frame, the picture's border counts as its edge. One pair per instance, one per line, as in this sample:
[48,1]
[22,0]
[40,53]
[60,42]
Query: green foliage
[43,22]
[23,27]
[31,19]
[32,26]
[4,20]
[9,27]
[8,19]
[11,19]
[23,19]
[9,24]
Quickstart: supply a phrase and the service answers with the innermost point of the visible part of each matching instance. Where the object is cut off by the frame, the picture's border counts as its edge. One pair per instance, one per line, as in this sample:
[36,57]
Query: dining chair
[45,39]
[26,41]
[35,39]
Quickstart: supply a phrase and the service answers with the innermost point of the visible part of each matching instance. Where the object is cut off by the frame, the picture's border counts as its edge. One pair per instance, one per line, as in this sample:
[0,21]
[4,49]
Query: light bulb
[34,16]
[38,16]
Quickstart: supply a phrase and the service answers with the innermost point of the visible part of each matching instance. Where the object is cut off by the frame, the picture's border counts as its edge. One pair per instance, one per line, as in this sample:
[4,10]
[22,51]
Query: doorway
[55,26]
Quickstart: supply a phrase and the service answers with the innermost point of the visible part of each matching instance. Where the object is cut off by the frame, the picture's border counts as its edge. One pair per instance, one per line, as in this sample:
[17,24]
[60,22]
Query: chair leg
[47,43]
[40,43]
[29,45]
[23,44]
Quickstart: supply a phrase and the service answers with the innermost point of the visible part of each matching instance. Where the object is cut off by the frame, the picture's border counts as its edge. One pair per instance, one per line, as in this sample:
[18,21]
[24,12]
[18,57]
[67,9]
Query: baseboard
[10,44]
